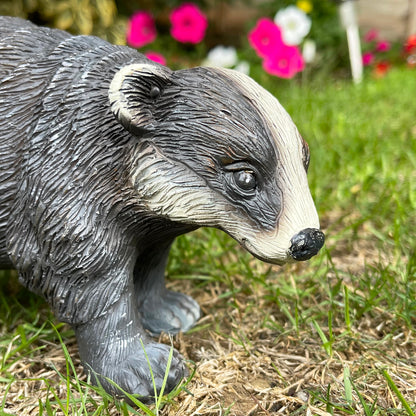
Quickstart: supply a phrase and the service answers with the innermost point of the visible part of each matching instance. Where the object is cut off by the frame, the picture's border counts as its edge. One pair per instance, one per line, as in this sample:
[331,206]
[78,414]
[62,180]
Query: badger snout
[306,244]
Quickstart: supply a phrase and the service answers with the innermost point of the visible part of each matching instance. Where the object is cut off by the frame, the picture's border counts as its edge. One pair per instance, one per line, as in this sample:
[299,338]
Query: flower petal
[188,23]
[141,29]
[285,63]
[265,38]
[294,23]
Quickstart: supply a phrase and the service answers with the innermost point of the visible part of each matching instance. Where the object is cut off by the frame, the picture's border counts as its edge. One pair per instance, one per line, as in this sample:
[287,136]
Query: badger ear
[133,92]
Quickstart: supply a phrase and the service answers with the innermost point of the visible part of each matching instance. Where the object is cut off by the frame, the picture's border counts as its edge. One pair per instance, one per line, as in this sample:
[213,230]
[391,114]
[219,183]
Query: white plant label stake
[349,22]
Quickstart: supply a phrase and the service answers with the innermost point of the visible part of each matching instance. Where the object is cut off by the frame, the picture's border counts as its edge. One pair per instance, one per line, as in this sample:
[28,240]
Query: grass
[334,336]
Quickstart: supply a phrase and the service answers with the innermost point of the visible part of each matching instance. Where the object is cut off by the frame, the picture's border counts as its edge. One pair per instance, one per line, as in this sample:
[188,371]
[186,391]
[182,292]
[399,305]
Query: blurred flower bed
[379,55]
[279,39]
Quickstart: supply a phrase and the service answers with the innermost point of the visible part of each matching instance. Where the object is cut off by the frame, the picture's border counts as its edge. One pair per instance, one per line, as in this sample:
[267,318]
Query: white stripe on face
[298,208]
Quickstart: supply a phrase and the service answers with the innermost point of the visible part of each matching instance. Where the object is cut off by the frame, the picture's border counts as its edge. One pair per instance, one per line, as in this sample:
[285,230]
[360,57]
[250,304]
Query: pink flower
[265,38]
[156,57]
[188,23]
[383,46]
[141,29]
[368,58]
[285,62]
[371,35]
[279,59]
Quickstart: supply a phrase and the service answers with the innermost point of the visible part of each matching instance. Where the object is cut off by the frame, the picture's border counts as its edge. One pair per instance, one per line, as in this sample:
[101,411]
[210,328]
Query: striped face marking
[218,150]
[297,211]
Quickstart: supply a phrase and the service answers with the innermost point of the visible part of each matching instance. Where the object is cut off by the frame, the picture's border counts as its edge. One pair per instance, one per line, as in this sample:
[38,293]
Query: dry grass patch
[245,366]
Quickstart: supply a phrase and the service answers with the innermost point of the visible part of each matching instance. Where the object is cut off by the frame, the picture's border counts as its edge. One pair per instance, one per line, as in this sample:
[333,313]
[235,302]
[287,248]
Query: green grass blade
[133,399]
[369,411]
[3,403]
[165,378]
[398,393]
[23,344]
[151,373]
[70,367]
[347,317]
[158,397]
[348,386]
[325,342]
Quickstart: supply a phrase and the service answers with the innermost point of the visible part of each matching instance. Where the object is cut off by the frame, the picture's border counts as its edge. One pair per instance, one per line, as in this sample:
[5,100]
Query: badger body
[106,157]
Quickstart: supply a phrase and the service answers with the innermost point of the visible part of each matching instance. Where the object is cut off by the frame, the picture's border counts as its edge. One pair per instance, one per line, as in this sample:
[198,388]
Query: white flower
[244,67]
[294,24]
[309,51]
[222,56]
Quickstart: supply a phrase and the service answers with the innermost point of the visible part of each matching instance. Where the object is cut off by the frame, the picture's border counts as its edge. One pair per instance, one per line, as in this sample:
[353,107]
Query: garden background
[333,336]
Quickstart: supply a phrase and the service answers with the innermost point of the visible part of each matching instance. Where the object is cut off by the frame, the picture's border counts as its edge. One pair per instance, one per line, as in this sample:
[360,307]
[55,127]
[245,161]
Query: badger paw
[171,313]
[133,374]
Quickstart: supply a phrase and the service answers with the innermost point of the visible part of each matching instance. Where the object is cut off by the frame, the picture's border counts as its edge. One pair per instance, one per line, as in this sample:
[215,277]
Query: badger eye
[241,178]
[245,179]
[154,92]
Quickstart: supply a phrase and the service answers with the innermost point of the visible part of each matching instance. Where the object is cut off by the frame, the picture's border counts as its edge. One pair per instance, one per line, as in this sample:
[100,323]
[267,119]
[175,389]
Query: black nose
[306,244]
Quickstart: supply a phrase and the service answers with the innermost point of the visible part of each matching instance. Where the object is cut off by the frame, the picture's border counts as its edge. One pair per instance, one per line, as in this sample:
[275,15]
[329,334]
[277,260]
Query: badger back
[62,150]
[54,101]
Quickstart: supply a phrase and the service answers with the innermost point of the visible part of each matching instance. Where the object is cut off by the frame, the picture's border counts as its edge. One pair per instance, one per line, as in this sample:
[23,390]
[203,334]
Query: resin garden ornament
[105,158]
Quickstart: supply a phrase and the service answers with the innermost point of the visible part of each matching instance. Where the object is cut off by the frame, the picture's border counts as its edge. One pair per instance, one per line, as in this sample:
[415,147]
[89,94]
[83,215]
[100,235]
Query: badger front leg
[161,310]
[93,291]
[115,346]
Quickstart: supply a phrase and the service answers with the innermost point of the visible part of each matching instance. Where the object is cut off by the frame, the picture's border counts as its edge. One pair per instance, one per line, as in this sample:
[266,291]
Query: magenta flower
[368,58]
[285,62]
[383,46]
[371,36]
[188,23]
[156,57]
[265,38]
[279,59]
[141,29]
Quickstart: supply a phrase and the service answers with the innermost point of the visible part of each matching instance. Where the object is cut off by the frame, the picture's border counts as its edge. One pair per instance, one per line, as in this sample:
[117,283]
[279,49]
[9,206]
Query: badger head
[215,149]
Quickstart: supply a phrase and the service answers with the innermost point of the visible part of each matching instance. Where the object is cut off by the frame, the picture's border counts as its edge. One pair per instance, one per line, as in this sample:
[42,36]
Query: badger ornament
[106,157]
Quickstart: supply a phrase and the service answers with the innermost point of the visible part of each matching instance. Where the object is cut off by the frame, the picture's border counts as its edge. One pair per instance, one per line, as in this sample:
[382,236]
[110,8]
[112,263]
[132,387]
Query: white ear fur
[130,94]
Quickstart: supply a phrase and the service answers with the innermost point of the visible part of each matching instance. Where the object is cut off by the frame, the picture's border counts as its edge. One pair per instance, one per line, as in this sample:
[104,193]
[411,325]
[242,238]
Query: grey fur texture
[106,157]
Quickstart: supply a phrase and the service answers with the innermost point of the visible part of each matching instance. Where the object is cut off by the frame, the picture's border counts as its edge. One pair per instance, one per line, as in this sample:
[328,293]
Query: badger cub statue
[105,158]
